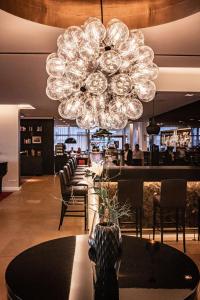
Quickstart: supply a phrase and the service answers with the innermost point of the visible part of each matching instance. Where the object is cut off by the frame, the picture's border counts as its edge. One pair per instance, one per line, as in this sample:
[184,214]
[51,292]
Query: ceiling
[137,14]
[25,45]
[188,115]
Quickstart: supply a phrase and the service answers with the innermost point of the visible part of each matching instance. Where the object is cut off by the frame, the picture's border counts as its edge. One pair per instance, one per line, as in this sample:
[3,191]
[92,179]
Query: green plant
[109,210]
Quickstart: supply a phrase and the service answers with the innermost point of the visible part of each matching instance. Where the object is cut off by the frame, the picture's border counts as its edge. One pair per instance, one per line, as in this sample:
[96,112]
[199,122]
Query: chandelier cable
[101,3]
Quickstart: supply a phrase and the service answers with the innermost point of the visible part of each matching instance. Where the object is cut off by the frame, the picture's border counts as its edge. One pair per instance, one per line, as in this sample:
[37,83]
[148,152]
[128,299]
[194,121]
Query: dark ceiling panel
[186,115]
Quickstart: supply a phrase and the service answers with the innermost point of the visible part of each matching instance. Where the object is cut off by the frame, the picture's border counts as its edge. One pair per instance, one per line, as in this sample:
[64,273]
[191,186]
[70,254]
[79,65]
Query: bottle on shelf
[32,152]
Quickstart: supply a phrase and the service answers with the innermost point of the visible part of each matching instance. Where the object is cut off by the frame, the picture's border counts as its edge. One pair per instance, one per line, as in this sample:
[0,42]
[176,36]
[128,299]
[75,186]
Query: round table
[60,269]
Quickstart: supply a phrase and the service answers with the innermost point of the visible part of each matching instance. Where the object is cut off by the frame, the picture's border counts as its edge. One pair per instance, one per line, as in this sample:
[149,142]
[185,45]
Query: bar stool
[78,166]
[73,170]
[70,180]
[72,176]
[172,197]
[80,192]
[131,192]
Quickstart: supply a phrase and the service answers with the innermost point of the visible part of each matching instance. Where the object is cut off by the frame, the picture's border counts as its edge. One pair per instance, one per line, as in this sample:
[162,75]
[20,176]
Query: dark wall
[46,146]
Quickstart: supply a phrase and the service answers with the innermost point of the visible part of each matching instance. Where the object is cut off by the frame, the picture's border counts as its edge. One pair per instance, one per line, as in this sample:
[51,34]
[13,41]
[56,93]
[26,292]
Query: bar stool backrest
[131,192]
[173,193]
[62,182]
[67,174]
[70,169]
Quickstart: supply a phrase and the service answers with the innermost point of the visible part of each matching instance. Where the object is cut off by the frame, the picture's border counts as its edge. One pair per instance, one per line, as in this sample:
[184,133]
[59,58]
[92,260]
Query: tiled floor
[31,216]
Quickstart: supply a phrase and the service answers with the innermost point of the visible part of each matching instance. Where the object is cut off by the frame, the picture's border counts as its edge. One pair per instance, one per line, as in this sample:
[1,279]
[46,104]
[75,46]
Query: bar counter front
[152,176]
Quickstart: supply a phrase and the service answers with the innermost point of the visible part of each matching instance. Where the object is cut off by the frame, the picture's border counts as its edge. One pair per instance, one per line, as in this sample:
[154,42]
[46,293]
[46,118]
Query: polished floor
[31,216]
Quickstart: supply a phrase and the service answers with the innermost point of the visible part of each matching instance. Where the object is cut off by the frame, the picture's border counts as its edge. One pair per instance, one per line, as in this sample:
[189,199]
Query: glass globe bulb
[105,120]
[71,108]
[145,90]
[67,50]
[94,30]
[117,32]
[96,83]
[129,49]
[137,36]
[55,66]
[58,87]
[87,120]
[134,108]
[121,84]
[62,85]
[145,55]
[74,36]
[88,51]
[110,61]
[144,72]
[119,121]
[76,70]
[96,103]
[117,105]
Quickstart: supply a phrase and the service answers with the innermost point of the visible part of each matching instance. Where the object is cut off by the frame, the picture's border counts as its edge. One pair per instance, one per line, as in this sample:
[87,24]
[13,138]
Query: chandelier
[101,75]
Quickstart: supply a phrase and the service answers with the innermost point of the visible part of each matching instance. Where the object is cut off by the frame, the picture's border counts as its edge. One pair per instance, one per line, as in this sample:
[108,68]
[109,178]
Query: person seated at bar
[78,151]
[138,156]
[127,155]
[169,156]
[180,156]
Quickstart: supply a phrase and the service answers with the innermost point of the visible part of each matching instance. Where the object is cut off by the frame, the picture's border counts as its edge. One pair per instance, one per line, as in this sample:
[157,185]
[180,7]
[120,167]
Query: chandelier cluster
[100,75]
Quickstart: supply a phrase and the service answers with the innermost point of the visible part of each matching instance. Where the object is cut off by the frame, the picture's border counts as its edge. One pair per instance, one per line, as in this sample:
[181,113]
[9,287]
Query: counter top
[154,173]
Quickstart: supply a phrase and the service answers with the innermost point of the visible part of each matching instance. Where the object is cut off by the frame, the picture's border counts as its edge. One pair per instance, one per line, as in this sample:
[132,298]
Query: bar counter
[152,176]
[153,173]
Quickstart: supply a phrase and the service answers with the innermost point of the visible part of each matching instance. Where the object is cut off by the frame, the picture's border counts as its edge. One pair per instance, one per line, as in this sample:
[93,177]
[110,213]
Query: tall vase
[105,252]
[107,240]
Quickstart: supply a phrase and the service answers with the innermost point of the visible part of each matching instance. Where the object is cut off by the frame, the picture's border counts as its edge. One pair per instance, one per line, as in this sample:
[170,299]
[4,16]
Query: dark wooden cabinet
[37,146]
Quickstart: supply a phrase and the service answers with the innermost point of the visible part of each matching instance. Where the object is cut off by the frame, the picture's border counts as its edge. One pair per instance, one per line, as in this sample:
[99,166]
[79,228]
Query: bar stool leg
[86,218]
[62,214]
[136,221]
[140,222]
[154,220]
[183,223]
[161,224]
[177,223]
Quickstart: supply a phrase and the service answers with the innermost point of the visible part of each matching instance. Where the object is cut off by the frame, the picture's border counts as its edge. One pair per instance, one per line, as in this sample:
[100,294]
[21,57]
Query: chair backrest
[70,169]
[74,162]
[131,192]
[173,193]
[67,174]
[62,182]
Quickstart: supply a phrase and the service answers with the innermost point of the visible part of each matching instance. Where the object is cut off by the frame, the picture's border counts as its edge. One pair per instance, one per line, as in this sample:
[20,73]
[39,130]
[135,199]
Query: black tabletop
[60,269]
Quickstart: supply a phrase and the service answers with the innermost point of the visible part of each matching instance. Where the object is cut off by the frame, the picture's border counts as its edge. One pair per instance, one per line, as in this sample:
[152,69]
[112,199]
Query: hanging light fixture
[153,128]
[101,75]
[70,140]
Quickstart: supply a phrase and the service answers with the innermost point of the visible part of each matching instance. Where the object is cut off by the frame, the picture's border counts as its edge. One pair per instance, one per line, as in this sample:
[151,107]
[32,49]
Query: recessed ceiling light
[191,119]
[25,106]
[180,121]
[189,95]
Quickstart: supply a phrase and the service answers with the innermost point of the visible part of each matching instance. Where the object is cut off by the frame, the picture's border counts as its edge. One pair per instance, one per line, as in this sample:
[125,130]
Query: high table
[60,269]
